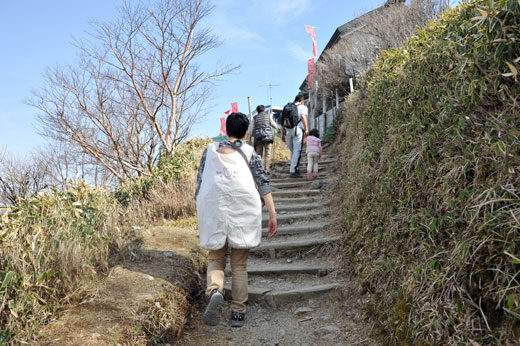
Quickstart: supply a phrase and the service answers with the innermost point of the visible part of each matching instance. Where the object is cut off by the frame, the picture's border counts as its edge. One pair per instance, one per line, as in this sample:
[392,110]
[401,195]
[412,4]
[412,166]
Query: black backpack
[290,115]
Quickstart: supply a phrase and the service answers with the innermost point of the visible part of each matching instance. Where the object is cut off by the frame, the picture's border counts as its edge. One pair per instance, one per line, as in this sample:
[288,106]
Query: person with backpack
[262,130]
[294,127]
[230,181]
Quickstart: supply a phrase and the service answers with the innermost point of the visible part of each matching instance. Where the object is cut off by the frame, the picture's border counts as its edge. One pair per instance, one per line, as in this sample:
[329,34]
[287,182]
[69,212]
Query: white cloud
[281,11]
[298,52]
[234,33]
[290,6]
[230,27]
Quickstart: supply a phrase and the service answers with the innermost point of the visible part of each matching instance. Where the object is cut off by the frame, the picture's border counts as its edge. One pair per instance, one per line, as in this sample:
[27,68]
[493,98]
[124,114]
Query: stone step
[325,159]
[254,293]
[295,193]
[303,292]
[303,169]
[325,156]
[281,209]
[294,217]
[272,298]
[285,175]
[304,162]
[280,269]
[295,244]
[297,229]
[300,183]
[295,200]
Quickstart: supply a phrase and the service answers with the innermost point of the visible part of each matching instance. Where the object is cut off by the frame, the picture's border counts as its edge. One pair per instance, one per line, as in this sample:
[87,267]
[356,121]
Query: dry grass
[280,151]
[52,245]
[55,244]
[169,194]
[162,318]
[170,200]
[430,198]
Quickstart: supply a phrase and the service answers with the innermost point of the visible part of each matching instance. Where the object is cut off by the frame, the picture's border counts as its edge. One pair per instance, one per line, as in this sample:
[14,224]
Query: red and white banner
[310,31]
[222,127]
[312,69]
[234,107]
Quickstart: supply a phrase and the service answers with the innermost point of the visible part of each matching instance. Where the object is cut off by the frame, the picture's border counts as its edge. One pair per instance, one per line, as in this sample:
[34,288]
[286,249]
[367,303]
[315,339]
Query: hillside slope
[430,177]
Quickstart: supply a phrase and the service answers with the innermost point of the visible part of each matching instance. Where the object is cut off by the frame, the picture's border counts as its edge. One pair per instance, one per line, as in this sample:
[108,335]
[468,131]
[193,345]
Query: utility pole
[249,135]
[250,112]
[270,93]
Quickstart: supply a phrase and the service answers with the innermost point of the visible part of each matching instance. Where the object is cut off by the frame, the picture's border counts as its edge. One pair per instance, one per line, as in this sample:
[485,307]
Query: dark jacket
[262,132]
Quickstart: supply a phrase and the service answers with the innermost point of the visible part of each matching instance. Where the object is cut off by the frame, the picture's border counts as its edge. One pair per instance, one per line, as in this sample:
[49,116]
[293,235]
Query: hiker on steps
[262,129]
[294,127]
[230,181]
[314,153]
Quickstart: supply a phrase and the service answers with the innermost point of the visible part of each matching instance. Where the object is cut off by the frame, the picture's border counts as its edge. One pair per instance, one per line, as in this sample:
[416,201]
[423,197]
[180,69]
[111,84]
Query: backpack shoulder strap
[234,146]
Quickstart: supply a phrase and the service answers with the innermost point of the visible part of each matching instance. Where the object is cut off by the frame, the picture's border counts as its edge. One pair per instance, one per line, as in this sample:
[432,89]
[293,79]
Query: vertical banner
[310,31]
[222,126]
[234,107]
[312,68]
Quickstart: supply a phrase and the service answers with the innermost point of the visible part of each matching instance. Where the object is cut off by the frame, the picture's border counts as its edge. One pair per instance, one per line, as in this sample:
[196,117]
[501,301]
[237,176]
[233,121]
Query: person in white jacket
[230,181]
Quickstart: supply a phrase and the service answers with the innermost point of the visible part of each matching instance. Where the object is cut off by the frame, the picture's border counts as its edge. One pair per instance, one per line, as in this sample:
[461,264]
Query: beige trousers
[312,161]
[264,151]
[216,266]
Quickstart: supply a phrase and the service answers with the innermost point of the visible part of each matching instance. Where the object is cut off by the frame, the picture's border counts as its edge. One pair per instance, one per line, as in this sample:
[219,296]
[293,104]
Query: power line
[270,93]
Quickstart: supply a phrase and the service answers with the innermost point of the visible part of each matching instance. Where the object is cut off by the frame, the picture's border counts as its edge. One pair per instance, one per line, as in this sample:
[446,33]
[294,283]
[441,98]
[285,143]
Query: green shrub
[431,180]
[330,133]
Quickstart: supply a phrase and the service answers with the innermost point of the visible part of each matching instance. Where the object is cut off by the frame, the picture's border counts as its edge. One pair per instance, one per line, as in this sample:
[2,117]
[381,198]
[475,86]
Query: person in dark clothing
[262,130]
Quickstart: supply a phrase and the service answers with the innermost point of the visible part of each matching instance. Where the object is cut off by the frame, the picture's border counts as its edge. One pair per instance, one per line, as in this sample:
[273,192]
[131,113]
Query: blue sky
[266,37]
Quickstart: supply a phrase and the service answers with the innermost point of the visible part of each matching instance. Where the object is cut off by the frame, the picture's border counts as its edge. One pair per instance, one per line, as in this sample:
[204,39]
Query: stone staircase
[289,267]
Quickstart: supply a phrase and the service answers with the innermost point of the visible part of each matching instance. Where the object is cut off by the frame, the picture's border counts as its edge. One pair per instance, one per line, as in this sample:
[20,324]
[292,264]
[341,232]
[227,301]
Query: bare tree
[383,29]
[66,164]
[137,88]
[52,166]
[21,178]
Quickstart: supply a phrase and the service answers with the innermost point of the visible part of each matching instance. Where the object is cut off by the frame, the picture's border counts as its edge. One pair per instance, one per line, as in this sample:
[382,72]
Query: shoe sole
[212,313]
[237,324]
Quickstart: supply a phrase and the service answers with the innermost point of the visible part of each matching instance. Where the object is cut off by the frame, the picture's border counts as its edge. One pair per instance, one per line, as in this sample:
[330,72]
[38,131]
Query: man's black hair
[299,98]
[315,133]
[237,125]
[260,108]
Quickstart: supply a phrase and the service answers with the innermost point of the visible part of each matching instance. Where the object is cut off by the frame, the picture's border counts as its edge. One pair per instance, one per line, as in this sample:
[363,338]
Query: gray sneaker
[237,319]
[212,313]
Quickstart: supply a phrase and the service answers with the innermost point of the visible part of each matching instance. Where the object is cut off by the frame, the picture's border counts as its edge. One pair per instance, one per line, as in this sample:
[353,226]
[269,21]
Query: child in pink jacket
[314,153]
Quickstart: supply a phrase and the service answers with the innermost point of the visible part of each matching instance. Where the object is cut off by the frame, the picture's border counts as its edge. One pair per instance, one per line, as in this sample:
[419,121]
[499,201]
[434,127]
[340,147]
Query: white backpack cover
[228,205]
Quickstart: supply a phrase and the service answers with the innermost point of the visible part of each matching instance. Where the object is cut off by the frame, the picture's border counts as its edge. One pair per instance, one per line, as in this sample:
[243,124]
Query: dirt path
[298,295]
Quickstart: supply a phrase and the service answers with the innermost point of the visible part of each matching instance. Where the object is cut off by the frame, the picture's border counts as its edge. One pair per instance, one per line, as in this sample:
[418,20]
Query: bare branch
[136,88]
[382,29]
